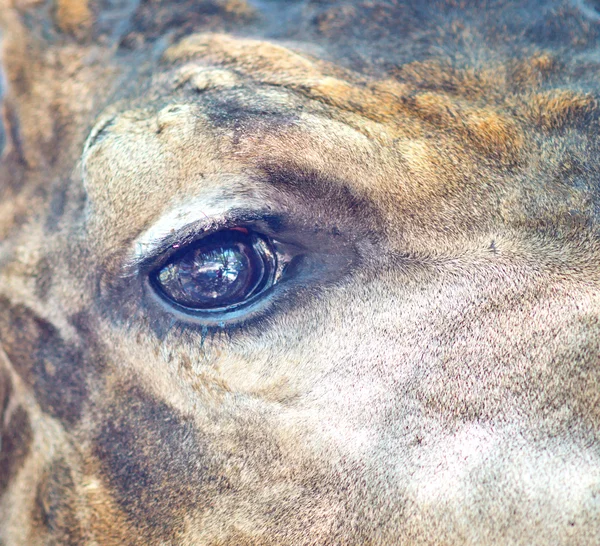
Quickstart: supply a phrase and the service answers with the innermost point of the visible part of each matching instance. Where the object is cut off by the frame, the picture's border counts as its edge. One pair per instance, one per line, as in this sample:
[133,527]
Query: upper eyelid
[208,209]
[161,249]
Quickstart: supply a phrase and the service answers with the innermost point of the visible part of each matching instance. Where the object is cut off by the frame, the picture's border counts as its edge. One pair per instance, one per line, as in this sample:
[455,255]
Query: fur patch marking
[53,507]
[6,390]
[153,460]
[55,369]
[72,16]
[15,444]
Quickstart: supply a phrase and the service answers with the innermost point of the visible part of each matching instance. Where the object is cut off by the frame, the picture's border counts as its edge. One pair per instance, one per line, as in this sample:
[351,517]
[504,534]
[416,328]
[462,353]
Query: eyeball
[218,273]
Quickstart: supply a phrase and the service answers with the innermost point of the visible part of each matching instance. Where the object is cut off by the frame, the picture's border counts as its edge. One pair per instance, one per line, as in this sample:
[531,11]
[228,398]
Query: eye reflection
[205,275]
[218,272]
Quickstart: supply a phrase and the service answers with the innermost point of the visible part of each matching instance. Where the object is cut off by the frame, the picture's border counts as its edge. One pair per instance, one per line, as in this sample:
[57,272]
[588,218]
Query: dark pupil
[213,274]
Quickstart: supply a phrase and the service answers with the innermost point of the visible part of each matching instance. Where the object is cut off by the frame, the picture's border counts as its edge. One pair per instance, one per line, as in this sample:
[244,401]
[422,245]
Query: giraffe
[306,272]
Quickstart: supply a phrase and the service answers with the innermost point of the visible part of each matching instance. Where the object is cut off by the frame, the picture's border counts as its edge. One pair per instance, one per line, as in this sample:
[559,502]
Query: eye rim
[310,257]
[266,251]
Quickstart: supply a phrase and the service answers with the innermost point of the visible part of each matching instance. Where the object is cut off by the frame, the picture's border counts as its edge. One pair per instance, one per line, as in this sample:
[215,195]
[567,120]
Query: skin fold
[425,369]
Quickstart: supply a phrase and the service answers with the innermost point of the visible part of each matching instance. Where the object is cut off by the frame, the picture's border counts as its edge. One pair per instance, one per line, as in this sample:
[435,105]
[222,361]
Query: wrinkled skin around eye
[223,271]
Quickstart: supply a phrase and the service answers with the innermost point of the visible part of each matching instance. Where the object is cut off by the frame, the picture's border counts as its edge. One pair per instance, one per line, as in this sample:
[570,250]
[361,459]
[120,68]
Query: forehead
[220,114]
[175,156]
[221,111]
[212,131]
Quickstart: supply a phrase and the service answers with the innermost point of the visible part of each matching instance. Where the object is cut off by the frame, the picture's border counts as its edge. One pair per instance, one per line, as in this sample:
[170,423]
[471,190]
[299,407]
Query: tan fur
[72,15]
[426,374]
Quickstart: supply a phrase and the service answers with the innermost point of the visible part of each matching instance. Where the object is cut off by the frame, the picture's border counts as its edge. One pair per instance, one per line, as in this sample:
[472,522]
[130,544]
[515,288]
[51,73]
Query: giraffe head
[299,273]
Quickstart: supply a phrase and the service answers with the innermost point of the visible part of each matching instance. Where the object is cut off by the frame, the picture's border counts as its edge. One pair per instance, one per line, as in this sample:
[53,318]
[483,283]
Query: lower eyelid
[216,320]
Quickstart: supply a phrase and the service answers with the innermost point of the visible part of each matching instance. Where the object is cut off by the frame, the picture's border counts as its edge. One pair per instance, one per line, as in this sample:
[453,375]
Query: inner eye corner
[218,273]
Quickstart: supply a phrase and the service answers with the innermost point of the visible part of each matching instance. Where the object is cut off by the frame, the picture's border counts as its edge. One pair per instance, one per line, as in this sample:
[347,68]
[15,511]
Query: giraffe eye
[218,273]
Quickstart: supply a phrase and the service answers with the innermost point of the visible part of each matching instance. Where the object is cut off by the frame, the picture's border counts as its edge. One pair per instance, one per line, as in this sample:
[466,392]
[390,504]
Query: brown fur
[431,377]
